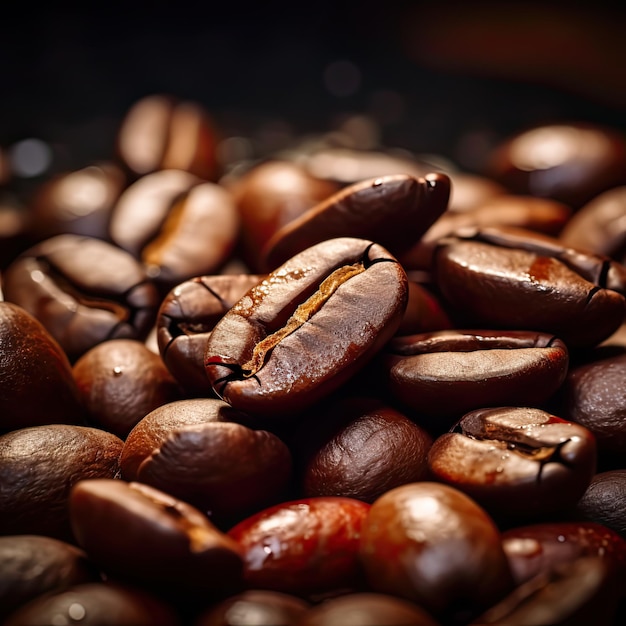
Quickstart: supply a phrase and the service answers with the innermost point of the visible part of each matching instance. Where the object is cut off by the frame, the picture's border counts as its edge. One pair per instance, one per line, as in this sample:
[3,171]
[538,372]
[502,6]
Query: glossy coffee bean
[161,132]
[303,547]
[120,382]
[604,501]
[469,191]
[83,290]
[392,210]
[39,466]
[447,373]
[433,545]
[33,565]
[347,450]
[78,202]
[225,469]
[366,609]
[36,383]
[96,604]
[177,225]
[516,462]
[306,329]
[258,607]
[517,279]
[166,542]
[536,549]
[185,319]
[571,163]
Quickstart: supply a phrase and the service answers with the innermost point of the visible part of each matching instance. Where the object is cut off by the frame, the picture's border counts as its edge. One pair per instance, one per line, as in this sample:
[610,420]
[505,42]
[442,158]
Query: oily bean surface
[604,502]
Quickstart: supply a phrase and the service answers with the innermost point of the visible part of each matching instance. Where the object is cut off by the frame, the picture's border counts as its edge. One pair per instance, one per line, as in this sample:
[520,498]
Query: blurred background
[451,78]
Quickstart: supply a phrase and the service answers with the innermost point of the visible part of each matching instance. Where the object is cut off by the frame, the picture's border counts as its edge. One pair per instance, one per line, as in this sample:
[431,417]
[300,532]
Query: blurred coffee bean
[469,191]
[424,312]
[162,132]
[15,235]
[83,290]
[570,163]
[36,382]
[604,501]
[39,466]
[120,381]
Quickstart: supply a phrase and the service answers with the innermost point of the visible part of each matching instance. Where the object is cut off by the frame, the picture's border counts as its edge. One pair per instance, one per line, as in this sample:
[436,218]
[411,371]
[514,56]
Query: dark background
[444,77]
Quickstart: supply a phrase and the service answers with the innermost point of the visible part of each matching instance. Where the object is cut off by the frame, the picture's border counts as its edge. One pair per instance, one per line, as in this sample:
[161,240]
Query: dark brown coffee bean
[39,466]
[120,382]
[305,547]
[96,604]
[448,373]
[33,565]
[36,383]
[258,607]
[424,312]
[307,328]
[604,501]
[516,462]
[160,132]
[366,609]
[165,541]
[83,290]
[393,210]
[435,546]
[571,163]
[187,316]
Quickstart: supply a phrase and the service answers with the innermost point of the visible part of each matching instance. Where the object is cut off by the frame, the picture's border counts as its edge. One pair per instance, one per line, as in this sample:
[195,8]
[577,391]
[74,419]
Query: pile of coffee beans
[324,386]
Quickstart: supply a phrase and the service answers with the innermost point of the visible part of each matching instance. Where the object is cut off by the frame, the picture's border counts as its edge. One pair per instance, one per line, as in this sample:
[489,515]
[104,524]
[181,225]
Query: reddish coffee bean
[447,373]
[571,163]
[187,316]
[424,312]
[39,466]
[120,382]
[536,549]
[33,565]
[83,290]
[347,450]
[96,604]
[306,329]
[517,279]
[604,501]
[433,545]
[304,547]
[160,132]
[516,462]
[36,383]
[166,542]
[366,609]
[258,607]
[392,210]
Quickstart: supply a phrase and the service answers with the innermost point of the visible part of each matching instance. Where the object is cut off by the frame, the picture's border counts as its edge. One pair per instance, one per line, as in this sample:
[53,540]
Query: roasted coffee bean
[258,607]
[366,609]
[39,466]
[271,195]
[447,373]
[433,545]
[424,312]
[571,163]
[77,202]
[189,450]
[345,452]
[306,329]
[305,547]
[36,382]
[176,224]
[83,290]
[96,604]
[469,191]
[33,565]
[394,211]
[516,462]
[120,382]
[604,501]
[538,548]
[161,132]
[185,319]
[165,541]
[517,279]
